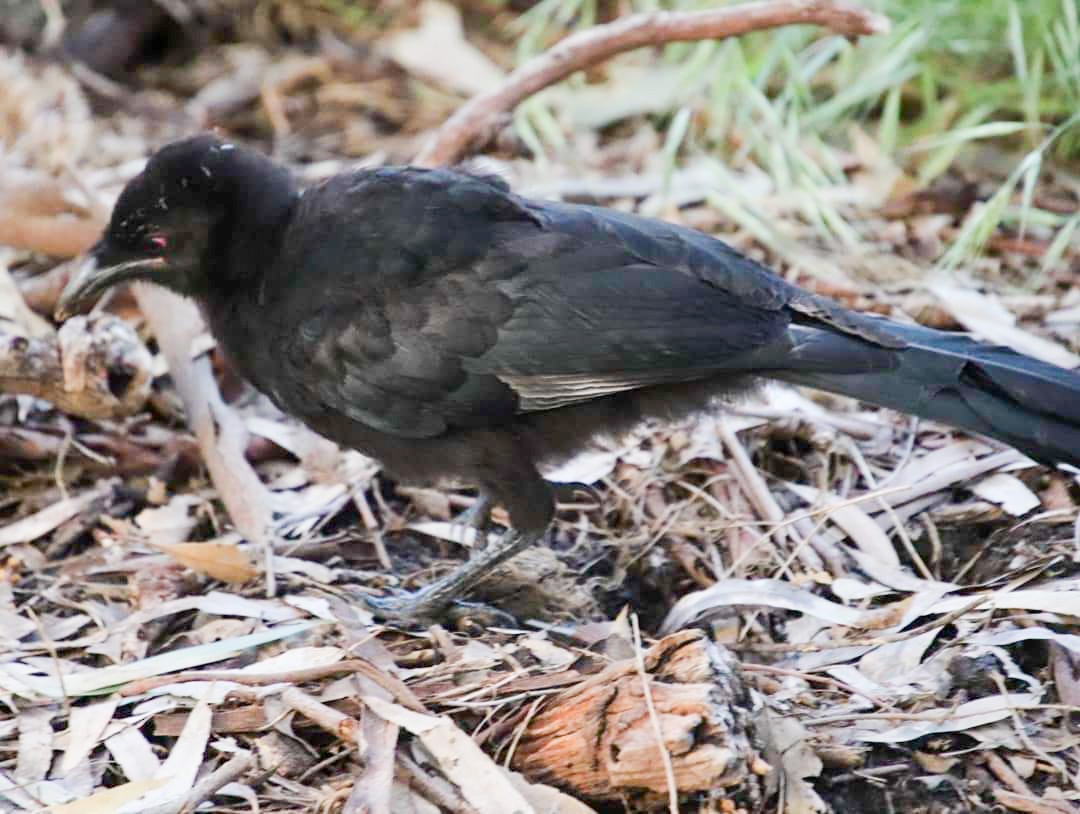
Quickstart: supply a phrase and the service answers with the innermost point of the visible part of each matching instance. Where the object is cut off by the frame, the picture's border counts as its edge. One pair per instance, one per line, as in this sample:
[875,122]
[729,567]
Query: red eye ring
[159,241]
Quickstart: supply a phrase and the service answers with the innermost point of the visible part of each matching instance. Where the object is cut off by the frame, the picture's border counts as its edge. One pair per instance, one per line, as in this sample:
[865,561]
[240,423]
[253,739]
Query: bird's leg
[531,504]
[432,602]
[478,518]
[478,515]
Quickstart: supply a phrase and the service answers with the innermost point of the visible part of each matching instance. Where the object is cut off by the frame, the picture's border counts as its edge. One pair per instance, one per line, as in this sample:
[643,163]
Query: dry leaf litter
[812,604]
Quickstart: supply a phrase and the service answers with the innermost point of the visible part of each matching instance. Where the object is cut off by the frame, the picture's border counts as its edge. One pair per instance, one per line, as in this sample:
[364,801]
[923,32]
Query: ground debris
[901,601]
[597,739]
[93,367]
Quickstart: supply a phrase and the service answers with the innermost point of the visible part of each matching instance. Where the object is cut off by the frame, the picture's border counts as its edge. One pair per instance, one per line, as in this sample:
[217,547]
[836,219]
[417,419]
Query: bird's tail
[1030,405]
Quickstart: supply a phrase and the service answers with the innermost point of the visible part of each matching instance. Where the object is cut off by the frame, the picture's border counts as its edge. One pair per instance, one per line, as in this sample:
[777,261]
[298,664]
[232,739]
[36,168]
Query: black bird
[448,327]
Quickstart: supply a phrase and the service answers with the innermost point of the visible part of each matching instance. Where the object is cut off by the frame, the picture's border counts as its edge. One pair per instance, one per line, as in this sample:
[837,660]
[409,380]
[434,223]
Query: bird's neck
[244,250]
[244,246]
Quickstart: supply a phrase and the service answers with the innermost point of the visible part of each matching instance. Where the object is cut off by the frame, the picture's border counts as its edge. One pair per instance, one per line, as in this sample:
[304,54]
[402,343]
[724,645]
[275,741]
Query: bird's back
[418,304]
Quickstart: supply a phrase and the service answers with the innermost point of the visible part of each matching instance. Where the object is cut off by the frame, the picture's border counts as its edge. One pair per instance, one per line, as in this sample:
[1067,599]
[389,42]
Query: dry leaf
[110,800]
[86,728]
[459,65]
[404,800]
[959,718]
[988,319]
[799,762]
[547,799]
[1066,665]
[35,751]
[91,681]
[771,593]
[171,523]
[133,752]
[12,306]
[854,520]
[177,774]
[41,523]
[1009,492]
[482,783]
[222,561]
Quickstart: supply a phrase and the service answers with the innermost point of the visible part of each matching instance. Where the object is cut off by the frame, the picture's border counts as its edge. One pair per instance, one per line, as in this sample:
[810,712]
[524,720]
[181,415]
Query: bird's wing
[392,300]
[616,324]
[619,302]
[460,304]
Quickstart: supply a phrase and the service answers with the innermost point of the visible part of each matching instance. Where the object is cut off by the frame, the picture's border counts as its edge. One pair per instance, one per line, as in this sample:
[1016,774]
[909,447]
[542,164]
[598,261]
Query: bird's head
[183,218]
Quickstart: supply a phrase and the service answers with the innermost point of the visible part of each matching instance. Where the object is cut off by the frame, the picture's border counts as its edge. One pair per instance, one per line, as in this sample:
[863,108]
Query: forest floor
[820,605]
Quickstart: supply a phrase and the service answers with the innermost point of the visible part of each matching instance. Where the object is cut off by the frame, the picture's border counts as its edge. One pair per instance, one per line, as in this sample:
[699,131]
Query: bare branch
[95,367]
[221,435]
[235,768]
[474,122]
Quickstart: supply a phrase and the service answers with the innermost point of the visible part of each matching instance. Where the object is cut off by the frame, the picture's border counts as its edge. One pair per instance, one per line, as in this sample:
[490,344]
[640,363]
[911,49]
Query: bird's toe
[420,609]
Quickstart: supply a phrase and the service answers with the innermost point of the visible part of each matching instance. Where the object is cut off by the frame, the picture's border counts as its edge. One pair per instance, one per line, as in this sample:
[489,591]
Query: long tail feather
[1028,404]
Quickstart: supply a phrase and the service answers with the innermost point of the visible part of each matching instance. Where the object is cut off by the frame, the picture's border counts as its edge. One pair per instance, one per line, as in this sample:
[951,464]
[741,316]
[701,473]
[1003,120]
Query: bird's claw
[403,608]
[418,610]
[434,602]
[472,615]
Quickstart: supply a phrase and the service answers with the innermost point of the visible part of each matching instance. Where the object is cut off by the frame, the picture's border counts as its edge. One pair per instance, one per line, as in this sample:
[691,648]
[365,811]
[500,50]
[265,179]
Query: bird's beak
[101,268]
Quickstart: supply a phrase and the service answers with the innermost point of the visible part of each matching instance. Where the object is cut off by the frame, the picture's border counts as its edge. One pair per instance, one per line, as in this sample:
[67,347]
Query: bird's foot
[478,516]
[434,603]
[420,609]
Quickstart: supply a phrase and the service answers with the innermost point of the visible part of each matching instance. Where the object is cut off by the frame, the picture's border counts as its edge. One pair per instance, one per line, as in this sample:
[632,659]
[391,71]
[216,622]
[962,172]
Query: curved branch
[472,125]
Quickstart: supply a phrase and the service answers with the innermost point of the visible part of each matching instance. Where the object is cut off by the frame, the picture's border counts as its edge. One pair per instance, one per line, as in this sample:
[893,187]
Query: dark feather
[436,320]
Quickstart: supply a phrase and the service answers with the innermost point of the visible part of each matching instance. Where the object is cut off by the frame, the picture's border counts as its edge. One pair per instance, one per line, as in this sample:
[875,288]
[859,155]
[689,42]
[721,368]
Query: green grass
[951,74]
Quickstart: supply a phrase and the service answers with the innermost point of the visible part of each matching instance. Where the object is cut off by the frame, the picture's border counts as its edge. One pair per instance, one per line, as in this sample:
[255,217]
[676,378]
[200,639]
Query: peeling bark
[597,739]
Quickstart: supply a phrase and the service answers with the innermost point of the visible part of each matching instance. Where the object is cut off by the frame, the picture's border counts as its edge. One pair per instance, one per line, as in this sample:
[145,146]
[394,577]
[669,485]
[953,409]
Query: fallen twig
[371,789]
[94,367]
[336,723]
[757,491]
[654,720]
[221,435]
[235,767]
[474,122]
[431,787]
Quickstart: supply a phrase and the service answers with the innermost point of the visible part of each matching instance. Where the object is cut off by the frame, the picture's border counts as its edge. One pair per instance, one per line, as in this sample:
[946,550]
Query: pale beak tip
[73,293]
[66,306]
